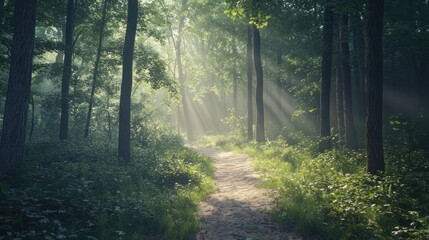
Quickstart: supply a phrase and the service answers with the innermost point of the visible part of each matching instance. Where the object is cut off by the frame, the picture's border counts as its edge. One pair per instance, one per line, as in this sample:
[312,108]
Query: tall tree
[67,71]
[1,11]
[182,89]
[249,65]
[260,125]
[358,64]
[422,75]
[256,12]
[19,87]
[349,129]
[374,85]
[124,148]
[325,89]
[339,102]
[339,86]
[96,66]
[234,76]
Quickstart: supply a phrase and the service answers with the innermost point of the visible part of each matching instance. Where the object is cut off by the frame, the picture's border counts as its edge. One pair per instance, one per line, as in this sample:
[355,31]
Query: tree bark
[32,121]
[96,66]
[374,85]
[182,89]
[1,12]
[349,129]
[339,100]
[260,125]
[59,59]
[325,89]
[124,148]
[19,88]
[109,117]
[249,83]
[280,98]
[359,65]
[234,77]
[67,72]
[422,76]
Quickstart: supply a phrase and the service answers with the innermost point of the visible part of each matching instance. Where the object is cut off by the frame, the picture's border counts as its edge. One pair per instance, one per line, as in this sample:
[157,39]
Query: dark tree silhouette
[349,129]
[1,11]
[234,77]
[19,88]
[249,66]
[340,102]
[124,151]
[339,86]
[67,72]
[260,125]
[374,85]
[325,131]
[96,66]
[359,64]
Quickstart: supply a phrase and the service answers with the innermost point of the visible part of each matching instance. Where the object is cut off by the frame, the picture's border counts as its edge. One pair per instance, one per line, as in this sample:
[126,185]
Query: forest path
[237,210]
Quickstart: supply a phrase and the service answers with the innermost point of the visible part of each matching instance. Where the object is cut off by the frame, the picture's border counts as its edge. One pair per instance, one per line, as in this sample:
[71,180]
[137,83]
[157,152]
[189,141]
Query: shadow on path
[237,210]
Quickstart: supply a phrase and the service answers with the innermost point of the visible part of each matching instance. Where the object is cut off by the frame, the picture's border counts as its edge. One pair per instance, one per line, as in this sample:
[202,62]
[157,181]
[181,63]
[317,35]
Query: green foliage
[408,143]
[237,124]
[152,69]
[330,194]
[147,133]
[78,191]
[258,12]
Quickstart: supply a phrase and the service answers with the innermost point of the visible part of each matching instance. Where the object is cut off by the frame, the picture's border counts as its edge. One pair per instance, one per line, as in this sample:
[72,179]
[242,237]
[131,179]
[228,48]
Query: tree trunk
[359,65]
[59,59]
[30,135]
[325,89]
[374,85]
[19,88]
[1,12]
[67,71]
[234,77]
[281,112]
[109,118]
[422,76]
[340,102]
[124,148]
[425,85]
[182,88]
[96,66]
[249,83]
[349,129]
[260,126]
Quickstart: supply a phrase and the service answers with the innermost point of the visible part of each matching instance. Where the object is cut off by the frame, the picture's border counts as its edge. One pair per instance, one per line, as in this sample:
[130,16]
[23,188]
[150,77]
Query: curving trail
[236,211]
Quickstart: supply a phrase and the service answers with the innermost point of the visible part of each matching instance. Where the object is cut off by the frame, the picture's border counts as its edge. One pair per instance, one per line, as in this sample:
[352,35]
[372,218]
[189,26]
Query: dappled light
[207,120]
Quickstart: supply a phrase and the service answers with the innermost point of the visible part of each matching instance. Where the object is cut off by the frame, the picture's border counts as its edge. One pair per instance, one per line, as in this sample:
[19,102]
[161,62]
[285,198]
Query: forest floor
[238,208]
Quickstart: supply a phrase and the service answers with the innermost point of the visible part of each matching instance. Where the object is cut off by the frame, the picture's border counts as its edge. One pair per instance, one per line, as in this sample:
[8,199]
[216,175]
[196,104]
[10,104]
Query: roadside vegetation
[331,195]
[77,190]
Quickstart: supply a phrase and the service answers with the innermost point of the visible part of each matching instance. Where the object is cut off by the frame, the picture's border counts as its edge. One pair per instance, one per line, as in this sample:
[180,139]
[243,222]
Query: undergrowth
[331,195]
[77,190]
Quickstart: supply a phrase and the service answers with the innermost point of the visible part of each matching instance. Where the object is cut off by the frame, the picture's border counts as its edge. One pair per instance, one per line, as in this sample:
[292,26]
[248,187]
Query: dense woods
[100,101]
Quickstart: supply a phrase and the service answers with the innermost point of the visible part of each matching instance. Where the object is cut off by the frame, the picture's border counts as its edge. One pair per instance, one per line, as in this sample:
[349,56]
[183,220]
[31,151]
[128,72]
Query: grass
[76,190]
[331,195]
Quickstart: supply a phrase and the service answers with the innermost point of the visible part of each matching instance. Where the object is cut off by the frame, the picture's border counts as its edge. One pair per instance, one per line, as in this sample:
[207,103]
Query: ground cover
[331,195]
[77,190]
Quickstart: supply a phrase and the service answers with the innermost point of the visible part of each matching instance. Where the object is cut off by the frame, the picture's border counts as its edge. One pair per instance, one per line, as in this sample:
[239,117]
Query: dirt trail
[237,210]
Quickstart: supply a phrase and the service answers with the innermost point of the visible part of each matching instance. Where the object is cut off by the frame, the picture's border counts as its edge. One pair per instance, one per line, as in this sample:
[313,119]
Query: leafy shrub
[78,190]
[330,194]
[237,124]
[149,134]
